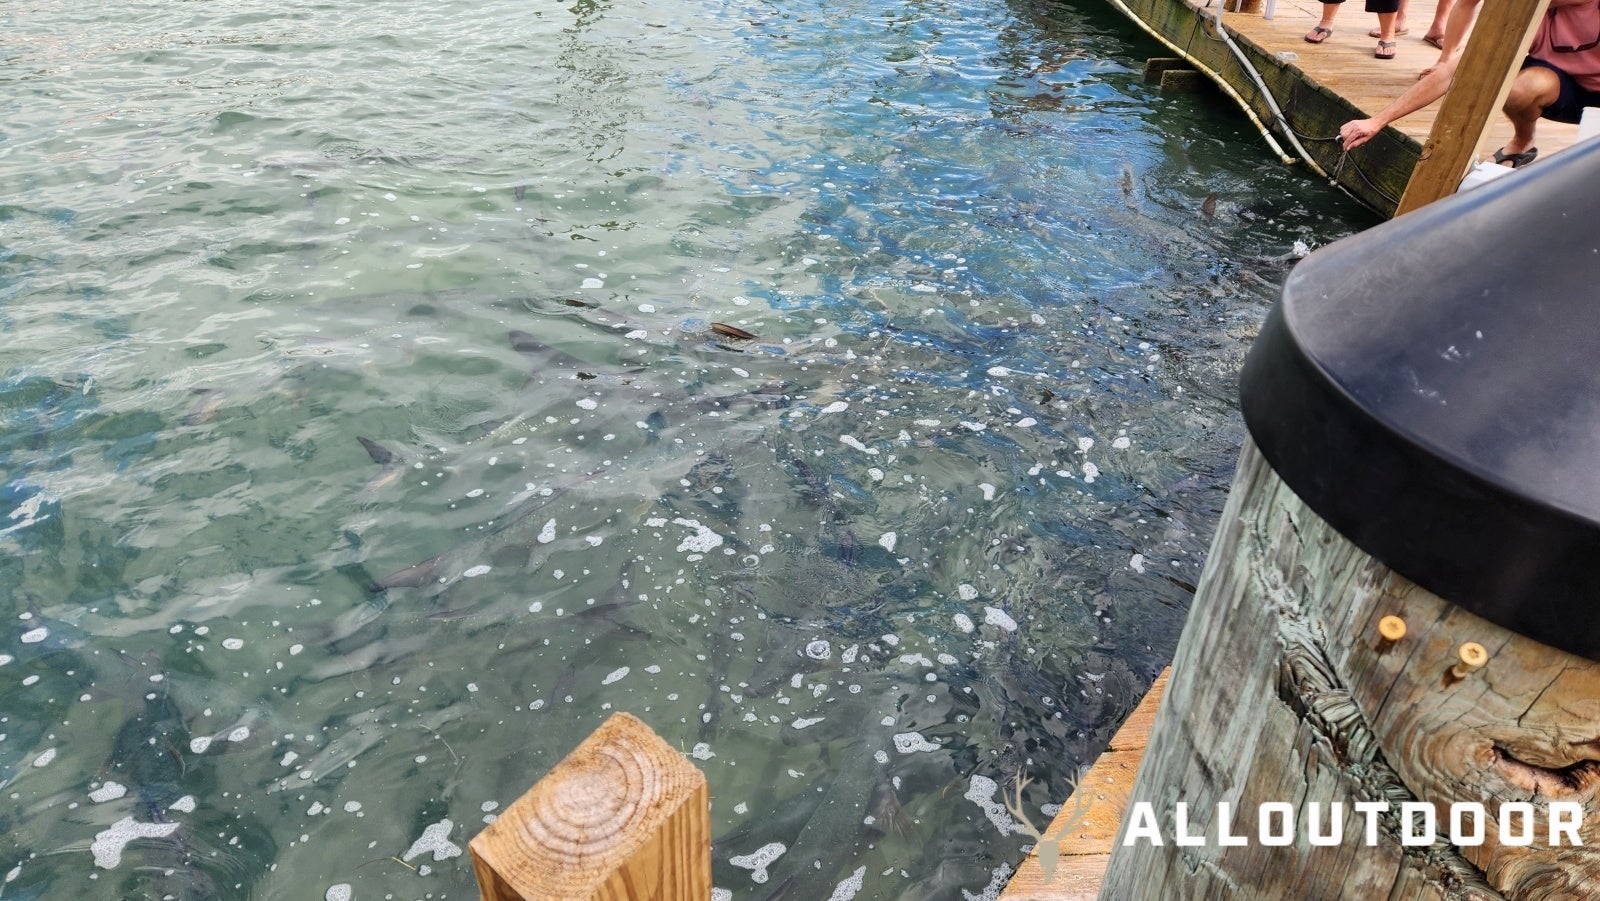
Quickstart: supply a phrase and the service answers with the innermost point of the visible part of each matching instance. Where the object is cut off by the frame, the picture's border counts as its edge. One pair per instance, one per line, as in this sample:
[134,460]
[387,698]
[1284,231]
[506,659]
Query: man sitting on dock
[1559,78]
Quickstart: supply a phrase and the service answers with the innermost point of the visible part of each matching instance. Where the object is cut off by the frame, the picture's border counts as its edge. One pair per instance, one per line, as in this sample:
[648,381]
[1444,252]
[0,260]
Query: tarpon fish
[151,756]
[445,567]
[525,343]
[394,466]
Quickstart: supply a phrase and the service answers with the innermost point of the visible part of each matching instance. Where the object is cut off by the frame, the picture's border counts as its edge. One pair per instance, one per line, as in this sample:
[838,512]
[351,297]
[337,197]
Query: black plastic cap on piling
[1431,388]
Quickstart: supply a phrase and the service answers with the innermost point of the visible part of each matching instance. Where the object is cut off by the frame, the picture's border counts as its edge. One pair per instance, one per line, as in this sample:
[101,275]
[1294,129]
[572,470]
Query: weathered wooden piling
[1400,615]
[623,818]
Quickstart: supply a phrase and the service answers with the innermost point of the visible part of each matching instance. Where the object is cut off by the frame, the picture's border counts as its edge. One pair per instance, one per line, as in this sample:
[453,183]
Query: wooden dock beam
[623,818]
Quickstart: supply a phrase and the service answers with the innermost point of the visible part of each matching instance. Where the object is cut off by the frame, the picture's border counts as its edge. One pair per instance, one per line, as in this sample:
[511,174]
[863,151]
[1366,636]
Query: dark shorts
[1571,101]
[1377,6]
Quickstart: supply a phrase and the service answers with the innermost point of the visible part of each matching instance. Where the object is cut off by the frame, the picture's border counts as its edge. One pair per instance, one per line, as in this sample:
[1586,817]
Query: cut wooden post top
[624,816]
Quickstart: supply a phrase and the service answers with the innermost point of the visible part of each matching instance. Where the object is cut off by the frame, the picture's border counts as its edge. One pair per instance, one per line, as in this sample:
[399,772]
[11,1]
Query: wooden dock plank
[1085,851]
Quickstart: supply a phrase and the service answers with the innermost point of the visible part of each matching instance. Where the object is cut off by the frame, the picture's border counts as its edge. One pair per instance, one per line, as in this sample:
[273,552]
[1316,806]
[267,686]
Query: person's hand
[1356,132]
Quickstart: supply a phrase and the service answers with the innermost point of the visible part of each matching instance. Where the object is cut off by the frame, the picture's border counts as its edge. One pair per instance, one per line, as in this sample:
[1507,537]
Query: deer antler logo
[1049,850]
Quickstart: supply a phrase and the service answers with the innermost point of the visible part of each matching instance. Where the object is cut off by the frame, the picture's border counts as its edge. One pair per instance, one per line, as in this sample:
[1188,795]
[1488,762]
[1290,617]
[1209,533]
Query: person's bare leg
[1534,89]
[1386,35]
[1441,22]
[1456,26]
[1325,27]
[1399,23]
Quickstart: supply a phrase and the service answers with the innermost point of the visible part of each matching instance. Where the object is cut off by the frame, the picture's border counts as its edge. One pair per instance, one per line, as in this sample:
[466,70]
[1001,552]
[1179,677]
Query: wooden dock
[1318,87]
[1086,848]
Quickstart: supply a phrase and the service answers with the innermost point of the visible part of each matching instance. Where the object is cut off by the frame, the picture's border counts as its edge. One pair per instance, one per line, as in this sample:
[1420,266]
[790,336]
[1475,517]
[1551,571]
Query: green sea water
[846,390]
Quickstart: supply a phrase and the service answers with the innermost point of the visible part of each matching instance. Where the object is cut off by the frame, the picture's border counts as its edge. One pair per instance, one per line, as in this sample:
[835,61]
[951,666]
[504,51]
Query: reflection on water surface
[390,392]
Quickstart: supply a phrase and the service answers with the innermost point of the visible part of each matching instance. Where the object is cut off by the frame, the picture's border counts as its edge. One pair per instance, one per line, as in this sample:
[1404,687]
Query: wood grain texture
[1284,690]
[623,818]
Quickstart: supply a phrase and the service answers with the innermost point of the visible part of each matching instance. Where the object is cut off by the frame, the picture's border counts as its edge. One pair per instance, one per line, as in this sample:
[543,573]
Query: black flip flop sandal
[1517,160]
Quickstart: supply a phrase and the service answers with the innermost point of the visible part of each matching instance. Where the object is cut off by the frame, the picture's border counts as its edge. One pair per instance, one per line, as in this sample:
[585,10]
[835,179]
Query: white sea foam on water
[548,533]
[702,541]
[476,571]
[964,622]
[853,441]
[184,804]
[616,675]
[818,650]
[981,791]
[994,616]
[434,839]
[848,889]
[110,791]
[199,743]
[45,757]
[988,491]
[888,539]
[1136,563]
[108,843]
[912,742]
[702,751]
[991,892]
[758,860]
[806,723]
[34,636]
[339,892]
[966,592]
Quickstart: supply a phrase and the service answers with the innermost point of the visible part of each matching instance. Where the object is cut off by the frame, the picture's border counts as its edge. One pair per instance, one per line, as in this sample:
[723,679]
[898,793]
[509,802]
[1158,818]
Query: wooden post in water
[1489,63]
[623,818]
[1414,409]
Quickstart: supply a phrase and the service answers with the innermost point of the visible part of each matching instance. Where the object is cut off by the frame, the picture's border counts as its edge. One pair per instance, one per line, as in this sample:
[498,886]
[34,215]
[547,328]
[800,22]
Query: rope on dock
[1226,88]
[1272,103]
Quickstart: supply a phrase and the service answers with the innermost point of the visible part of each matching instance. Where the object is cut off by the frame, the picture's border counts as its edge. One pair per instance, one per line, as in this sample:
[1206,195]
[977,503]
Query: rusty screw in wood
[1472,657]
[1391,629]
